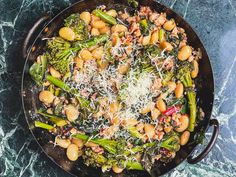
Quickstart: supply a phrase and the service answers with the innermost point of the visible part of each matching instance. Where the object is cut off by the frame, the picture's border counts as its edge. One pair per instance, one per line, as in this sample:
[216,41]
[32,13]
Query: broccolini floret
[172,143]
[93,159]
[57,55]
[37,70]
[60,54]
[78,26]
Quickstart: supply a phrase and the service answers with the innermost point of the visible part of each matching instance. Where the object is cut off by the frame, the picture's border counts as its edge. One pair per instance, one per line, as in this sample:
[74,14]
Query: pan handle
[215,124]
[28,38]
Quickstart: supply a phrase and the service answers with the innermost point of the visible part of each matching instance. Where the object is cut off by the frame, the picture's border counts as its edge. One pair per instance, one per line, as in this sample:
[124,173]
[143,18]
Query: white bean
[73,152]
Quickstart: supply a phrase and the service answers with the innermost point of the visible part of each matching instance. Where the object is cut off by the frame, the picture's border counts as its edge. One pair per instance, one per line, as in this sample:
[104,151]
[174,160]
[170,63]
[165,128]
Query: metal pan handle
[215,124]
[28,38]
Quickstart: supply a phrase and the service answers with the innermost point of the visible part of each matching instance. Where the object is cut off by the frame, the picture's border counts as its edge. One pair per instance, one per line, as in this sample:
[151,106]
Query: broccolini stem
[109,145]
[134,132]
[167,77]
[57,120]
[89,42]
[104,16]
[84,103]
[139,148]
[193,110]
[43,125]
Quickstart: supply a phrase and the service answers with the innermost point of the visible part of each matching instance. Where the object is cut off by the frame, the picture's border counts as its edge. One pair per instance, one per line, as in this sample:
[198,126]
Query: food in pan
[118,88]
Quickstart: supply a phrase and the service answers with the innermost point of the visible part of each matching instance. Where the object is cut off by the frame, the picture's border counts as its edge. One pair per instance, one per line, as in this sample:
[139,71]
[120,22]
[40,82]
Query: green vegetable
[57,56]
[78,26]
[184,74]
[167,77]
[134,132]
[144,27]
[131,165]
[93,159]
[107,53]
[150,51]
[171,143]
[43,125]
[136,149]
[89,42]
[61,53]
[109,145]
[104,16]
[98,160]
[161,35]
[51,89]
[57,92]
[84,103]
[37,70]
[57,120]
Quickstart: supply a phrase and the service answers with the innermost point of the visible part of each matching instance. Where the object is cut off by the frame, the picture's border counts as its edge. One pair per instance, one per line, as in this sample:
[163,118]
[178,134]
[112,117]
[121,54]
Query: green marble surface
[214,22]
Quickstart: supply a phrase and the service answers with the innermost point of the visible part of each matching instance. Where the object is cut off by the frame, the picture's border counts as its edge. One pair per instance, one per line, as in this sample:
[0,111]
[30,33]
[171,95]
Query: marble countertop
[214,22]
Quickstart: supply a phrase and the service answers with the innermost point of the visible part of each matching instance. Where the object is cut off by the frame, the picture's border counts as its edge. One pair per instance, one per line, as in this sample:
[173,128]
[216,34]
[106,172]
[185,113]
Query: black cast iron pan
[205,91]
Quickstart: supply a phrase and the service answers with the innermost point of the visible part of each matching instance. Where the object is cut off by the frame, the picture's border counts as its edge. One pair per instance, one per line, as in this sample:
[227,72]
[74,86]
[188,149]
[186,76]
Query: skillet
[34,45]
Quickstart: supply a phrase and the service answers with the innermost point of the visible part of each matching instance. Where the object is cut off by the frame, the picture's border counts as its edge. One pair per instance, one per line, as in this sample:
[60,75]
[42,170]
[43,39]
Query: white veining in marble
[215,24]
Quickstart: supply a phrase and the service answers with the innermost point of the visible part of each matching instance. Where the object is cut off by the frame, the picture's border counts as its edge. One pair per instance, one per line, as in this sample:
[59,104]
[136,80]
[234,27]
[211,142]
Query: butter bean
[149,130]
[86,16]
[179,90]
[54,73]
[168,129]
[98,53]
[73,152]
[86,54]
[154,37]
[161,105]
[64,143]
[184,53]
[184,138]
[166,46]
[115,40]
[105,30]
[77,142]
[95,32]
[118,28]
[112,13]
[67,33]
[91,144]
[195,71]
[146,40]
[184,123]
[98,24]
[169,25]
[72,113]
[155,113]
[79,63]
[171,85]
[123,68]
[46,97]
[113,107]
[117,169]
